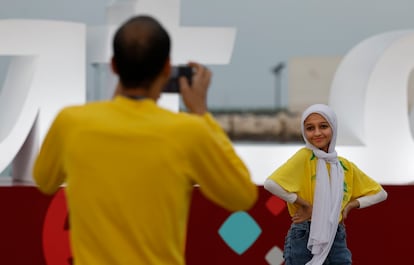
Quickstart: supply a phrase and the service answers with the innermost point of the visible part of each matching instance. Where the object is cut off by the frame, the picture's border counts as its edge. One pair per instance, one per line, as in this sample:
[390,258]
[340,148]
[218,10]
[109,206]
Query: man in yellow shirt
[130,166]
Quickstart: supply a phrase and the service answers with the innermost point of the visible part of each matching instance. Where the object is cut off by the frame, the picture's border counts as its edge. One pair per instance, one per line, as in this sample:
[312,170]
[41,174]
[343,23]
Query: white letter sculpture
[369,94]
[46,72]
[208,45]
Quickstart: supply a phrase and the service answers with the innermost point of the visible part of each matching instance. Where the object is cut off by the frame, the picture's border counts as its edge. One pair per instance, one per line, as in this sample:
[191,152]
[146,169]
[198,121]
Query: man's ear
[167,68]
[113,66]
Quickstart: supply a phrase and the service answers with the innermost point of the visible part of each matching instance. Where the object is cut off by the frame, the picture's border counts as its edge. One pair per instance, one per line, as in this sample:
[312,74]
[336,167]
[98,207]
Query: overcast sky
[268,32]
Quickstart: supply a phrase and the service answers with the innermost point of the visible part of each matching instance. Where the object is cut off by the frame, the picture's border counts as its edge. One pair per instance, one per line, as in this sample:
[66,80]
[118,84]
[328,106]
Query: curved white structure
[47,72]
[369,94]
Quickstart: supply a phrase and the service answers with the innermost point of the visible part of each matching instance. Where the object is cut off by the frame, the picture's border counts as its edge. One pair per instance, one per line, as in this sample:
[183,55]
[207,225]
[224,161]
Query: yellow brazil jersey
[298,175]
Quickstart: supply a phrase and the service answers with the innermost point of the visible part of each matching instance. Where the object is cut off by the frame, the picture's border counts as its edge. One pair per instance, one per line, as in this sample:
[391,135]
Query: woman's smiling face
[318,132]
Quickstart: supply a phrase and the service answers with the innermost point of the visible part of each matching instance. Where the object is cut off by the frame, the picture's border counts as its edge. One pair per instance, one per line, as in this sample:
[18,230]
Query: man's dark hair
[141,46]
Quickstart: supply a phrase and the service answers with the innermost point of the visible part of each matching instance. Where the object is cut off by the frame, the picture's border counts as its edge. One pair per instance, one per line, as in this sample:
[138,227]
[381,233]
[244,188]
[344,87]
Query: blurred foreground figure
[130,166]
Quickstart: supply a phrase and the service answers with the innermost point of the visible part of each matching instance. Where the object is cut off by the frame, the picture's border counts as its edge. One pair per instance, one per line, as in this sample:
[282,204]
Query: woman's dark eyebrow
[321,123]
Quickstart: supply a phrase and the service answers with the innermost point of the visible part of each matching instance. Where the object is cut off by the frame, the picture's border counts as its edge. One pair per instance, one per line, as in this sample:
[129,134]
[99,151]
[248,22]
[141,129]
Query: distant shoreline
[260,126]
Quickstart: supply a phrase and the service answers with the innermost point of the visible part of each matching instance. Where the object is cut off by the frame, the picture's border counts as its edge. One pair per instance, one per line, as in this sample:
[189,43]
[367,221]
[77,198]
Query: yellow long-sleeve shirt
[129,168]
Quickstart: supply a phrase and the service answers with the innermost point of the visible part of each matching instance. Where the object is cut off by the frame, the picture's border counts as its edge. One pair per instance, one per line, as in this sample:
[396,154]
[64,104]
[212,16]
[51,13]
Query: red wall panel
[33,230]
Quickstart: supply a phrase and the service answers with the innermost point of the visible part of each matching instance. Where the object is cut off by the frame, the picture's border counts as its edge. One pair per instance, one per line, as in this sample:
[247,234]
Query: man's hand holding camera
[195,96]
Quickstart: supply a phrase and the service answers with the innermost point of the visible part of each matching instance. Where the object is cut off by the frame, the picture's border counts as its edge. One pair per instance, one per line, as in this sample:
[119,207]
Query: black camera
[173,85]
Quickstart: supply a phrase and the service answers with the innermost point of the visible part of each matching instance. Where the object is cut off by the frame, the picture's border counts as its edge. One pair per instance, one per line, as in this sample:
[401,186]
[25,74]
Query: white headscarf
[327,199]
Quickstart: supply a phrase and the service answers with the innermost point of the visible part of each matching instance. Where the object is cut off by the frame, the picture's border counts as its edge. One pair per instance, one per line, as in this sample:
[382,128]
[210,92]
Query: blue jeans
[296,251]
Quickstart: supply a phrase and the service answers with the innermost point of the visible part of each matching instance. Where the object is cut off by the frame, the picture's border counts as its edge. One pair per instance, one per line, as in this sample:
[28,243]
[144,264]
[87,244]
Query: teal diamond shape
[239,231]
